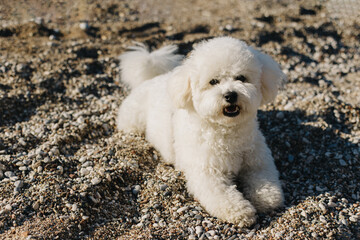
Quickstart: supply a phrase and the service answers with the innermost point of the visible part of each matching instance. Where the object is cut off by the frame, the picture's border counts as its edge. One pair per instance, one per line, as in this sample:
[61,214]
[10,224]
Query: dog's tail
[139,64]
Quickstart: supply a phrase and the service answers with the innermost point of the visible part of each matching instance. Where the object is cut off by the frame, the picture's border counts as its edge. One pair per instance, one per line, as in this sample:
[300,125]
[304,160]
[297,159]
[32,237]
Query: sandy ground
[67,173]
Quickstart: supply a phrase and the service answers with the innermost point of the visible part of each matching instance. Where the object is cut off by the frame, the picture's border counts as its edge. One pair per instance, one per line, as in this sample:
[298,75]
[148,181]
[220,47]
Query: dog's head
[225,81]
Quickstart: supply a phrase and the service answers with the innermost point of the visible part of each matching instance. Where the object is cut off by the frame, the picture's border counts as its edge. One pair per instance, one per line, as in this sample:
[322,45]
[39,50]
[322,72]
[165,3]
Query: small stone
[288,106]
[23,168]
[353,218]
[84,25]
[74,207]
[95,181]
[192,237]
[144,217]
[199,217]
[182,209]
[136,189]
[212,232]
[84,171]
[229,27]
[39,20]
[87,164]
[162,223]
[304,214]
[163,187]
[18,184]
[157,218]
[20,68]
[9,174]
[322,207]
[342,163]
[322,219]
[19,164]
[22,142]
[7,208]
[14,178]
[2,167]
[36,205]
[344,222]
[199,230]
[280,115]
[46,160]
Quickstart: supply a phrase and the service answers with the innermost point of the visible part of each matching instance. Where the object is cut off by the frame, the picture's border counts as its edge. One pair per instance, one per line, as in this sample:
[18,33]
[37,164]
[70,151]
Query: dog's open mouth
[231,110]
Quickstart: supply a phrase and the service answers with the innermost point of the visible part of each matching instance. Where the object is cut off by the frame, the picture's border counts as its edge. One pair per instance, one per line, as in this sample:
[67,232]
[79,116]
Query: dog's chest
[227,148]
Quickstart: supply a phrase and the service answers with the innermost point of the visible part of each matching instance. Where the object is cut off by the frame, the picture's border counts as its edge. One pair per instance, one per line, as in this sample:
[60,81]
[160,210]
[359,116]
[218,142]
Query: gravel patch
[67,173]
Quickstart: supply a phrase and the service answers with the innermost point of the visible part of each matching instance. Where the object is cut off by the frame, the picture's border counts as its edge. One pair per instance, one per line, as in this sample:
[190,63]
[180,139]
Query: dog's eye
[214,81]
[241,78]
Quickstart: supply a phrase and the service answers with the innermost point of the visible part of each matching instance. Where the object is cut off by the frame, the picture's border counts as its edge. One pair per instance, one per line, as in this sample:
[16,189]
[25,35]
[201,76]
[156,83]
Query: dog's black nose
[231,97]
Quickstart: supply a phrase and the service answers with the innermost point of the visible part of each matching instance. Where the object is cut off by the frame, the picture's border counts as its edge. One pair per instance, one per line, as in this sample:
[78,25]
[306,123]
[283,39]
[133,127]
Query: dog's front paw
[267,197]
[244,214]
[241,213]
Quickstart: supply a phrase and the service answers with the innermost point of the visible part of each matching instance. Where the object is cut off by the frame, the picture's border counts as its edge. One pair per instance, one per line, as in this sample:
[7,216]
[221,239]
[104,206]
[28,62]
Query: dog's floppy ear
[179,88]
[272,78]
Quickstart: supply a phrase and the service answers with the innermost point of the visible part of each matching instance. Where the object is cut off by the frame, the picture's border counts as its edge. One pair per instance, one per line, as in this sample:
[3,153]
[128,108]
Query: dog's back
[140,64]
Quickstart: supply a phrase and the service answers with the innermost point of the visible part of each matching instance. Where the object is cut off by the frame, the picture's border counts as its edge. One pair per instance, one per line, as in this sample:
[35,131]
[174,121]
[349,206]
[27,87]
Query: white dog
[201,115]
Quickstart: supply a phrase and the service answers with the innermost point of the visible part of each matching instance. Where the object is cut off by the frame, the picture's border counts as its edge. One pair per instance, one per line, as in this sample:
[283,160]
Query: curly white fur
[201,116]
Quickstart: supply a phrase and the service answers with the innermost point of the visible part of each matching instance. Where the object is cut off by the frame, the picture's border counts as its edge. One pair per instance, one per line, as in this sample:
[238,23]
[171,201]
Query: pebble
[36,205]
[84,25]
[353,218]
[84,171]
[163,187]
[228,27]
[74,207]
[322,219]
[342,163]
[95,181]
[39,169]
[7,208]
[18,184]
[182,209]
[136,189]
[304,214]
[199,230]
[199,217]
[9,174]
[280,115]
[322,207]
[191,237]
[87,164]
[211,232]
[288,106]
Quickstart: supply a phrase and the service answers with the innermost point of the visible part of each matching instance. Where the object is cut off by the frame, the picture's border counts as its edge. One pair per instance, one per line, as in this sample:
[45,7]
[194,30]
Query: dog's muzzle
[231,110]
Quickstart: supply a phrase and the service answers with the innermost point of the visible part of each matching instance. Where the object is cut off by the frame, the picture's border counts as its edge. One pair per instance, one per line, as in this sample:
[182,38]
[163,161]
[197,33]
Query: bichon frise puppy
[200,114]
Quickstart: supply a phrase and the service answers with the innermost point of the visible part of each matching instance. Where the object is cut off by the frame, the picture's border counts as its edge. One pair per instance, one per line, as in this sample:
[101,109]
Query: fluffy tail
[139,64]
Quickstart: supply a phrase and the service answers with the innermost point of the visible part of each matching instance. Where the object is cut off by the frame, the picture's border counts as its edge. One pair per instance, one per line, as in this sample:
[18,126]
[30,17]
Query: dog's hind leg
[132,113]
